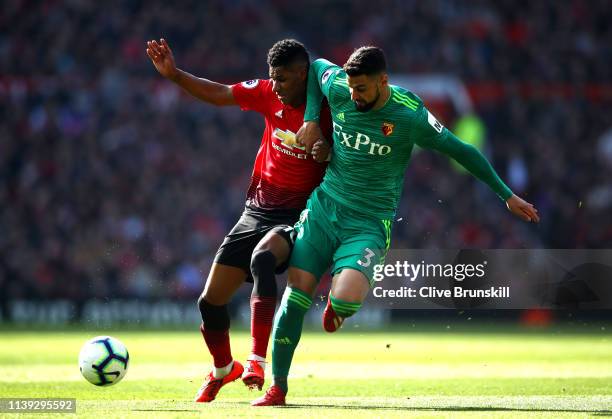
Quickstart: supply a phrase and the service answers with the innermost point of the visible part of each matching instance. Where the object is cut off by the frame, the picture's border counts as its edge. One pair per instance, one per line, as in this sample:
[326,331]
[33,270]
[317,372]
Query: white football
[103,360]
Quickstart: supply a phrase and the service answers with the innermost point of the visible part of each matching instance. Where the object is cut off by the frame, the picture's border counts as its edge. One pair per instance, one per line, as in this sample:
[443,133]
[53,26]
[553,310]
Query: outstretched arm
[430,134]
[203,89]
[477,164]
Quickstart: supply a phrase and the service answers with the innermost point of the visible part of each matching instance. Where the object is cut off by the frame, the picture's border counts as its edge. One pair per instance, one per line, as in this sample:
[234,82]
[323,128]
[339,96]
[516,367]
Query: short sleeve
[250,95]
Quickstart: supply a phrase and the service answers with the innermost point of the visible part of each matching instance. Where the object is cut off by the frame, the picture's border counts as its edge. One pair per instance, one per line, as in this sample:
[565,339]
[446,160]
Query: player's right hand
[523,209]
[162,58]
[308,134]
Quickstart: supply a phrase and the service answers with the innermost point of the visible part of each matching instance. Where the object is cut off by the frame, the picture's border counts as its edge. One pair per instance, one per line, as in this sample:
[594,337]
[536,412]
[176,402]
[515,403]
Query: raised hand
[523,209]
[162,58]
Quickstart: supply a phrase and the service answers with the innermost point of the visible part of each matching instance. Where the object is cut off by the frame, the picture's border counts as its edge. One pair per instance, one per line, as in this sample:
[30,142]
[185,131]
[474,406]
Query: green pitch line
[346,374]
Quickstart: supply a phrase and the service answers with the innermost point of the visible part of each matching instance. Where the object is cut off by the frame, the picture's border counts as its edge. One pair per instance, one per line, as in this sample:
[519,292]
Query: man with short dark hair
[283,177]
[347,220]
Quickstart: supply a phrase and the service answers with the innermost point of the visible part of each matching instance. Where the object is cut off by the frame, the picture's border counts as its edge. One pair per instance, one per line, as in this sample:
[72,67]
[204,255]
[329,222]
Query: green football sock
[344,308]
[287,331]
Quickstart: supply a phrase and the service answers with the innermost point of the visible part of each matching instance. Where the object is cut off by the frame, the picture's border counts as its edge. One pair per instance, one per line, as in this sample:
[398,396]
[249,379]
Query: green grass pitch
[386,374]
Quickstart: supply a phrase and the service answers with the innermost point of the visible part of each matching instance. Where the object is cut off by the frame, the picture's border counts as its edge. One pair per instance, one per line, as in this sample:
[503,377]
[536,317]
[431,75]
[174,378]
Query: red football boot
[253,376]
[212,385]
[273,397]
[331,321]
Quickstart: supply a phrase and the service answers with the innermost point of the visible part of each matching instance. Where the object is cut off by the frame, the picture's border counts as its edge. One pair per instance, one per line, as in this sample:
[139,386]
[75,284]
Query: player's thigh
[279,241]
[232,263]
[239,243]
[350,285]
[222,283]
[361,249]
[302,280]
[315,240]
[238,246]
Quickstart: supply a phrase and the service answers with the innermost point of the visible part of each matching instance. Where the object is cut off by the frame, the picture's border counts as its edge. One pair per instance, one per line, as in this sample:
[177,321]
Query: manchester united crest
[387,128]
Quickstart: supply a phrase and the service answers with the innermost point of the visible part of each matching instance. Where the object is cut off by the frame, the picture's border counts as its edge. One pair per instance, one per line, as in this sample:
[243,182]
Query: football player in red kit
[283,177]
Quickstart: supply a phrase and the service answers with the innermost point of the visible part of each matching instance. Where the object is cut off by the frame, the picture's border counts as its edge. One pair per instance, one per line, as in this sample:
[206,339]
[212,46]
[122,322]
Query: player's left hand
[320,151]
[523,209]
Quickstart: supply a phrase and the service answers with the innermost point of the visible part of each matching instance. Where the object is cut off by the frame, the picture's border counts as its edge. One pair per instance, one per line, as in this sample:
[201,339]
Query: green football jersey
[372,149]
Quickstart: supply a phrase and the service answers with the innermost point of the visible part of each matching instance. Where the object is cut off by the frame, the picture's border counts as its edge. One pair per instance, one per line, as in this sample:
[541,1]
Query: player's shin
[263,301]
[287,332]
[343,308]
[215,330]
[337,311]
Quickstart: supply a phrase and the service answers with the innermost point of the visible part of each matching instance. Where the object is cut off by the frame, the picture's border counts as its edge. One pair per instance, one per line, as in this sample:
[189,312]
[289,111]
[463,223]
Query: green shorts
[331,234]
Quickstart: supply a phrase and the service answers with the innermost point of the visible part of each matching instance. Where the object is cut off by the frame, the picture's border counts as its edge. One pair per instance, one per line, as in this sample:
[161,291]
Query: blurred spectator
[113,182]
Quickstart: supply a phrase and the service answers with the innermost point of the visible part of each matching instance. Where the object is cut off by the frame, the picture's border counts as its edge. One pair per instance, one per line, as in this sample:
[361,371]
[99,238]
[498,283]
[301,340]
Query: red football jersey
[284,175]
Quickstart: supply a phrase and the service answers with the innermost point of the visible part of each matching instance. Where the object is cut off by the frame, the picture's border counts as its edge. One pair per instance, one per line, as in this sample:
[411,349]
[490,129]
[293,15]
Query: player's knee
[344,308]
[201,302]
[210,296]
[263,262]
[263,265]
[302,281]
[214,317]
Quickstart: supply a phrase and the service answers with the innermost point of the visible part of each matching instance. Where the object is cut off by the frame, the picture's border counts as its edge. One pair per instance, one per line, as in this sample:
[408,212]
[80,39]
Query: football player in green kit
[347,221]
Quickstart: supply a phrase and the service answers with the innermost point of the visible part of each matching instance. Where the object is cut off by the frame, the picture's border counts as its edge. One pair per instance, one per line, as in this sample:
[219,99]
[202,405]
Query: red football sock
[262,314]
[219,345]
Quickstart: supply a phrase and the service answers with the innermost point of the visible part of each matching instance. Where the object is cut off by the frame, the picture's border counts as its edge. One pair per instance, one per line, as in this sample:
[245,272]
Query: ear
[384,79]
[303,73]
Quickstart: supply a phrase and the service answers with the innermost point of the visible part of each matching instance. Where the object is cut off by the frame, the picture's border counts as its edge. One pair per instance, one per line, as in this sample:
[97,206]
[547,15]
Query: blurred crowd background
[115,183]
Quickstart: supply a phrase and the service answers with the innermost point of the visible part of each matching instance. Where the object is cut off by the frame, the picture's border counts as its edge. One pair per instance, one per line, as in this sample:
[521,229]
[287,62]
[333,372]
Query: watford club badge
[387,128]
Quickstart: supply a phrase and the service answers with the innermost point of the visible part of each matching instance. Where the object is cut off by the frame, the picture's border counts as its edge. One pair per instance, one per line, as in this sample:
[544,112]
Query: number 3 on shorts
[368,257]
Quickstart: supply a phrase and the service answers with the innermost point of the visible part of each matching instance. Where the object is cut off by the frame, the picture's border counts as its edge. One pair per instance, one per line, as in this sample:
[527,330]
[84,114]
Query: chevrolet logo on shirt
[287,138]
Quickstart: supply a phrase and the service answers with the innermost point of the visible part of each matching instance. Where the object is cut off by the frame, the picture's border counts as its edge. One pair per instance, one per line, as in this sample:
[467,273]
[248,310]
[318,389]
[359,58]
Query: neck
[382,99]
[299,101]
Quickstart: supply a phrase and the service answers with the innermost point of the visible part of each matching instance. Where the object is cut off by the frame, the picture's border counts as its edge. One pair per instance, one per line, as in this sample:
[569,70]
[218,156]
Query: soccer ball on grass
[103,360]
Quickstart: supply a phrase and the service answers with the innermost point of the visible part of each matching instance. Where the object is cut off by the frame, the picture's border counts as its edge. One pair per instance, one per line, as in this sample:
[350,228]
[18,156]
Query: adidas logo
[340,116]
[279,113]
[283,341]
